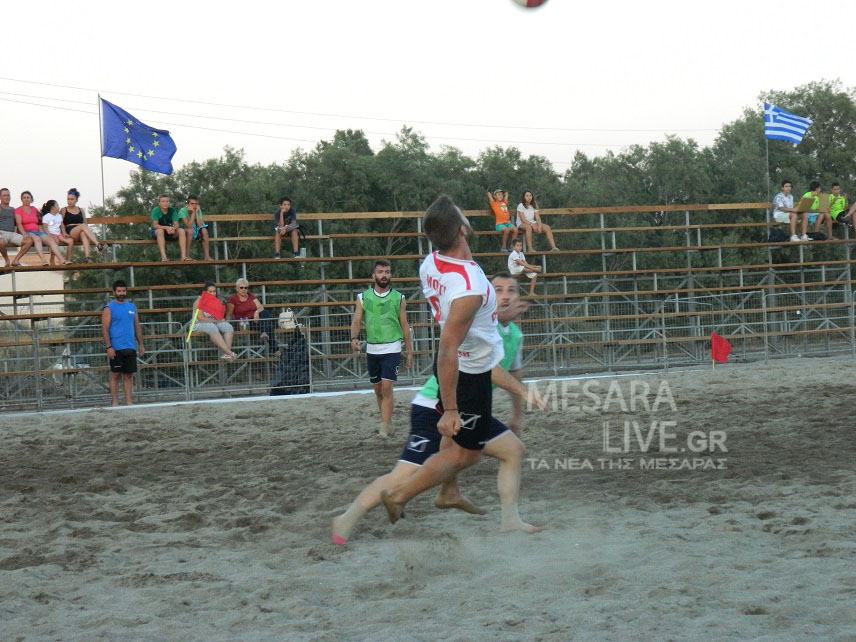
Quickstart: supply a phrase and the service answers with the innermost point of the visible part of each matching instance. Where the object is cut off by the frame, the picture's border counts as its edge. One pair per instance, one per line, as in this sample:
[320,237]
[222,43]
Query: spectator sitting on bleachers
[784,211]
[817,217]
[55,233]
[196,227]
[213,322]
[837,204]
[10,232]
[165,226]
[28,219]
[529,218]
[498,202]
[76,226]
[517,265]
[244,307]
[285,224]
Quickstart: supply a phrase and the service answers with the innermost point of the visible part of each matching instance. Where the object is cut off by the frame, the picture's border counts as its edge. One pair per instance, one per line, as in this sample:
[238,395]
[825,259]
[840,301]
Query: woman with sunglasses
[245,308]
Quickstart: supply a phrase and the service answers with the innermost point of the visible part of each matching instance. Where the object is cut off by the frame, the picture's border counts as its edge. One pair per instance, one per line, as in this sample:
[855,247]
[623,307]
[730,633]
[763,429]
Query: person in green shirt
[384,311]
[165,227]
[837,205]
[424,440]
[814,216]
[195,225]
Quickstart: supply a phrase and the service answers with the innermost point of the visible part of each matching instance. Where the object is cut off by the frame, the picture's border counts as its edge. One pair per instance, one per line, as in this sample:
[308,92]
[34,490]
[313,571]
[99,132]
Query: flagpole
[101,152]
[767,171]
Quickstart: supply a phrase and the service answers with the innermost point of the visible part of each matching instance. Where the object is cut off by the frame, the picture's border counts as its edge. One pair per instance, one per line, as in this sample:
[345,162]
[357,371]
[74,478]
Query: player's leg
[509,450]
[113,379]
[368,498]
[128,381]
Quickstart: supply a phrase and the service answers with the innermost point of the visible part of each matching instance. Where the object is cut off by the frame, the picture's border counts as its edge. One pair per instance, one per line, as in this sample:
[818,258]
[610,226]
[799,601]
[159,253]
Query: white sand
[210,522]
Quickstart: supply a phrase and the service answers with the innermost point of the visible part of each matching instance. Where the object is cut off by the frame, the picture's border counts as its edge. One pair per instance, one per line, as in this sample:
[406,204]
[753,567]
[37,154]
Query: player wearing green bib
[384,312]
[424,439]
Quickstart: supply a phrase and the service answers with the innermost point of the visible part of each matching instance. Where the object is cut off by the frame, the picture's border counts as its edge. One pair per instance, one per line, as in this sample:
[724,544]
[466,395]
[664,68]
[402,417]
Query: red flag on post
[720,348]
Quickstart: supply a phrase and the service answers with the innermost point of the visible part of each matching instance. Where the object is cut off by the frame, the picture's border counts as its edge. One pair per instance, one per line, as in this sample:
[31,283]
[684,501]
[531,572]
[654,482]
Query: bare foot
[336,530]
[385,430]
[461,503]
[394,510]
[520,526]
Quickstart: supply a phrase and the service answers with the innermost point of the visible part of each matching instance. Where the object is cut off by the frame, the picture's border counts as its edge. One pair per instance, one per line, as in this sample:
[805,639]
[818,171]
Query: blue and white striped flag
[783,125]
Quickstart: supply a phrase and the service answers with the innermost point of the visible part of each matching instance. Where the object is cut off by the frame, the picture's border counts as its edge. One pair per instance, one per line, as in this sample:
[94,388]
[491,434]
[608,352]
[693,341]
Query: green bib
[512,339]
[380,314]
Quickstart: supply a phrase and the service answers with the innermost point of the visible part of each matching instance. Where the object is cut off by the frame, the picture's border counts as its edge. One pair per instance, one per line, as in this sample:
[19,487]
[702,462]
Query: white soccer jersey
[445,279]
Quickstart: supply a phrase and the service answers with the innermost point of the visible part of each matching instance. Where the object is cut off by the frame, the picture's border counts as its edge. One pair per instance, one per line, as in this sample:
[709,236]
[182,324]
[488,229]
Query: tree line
[345,174]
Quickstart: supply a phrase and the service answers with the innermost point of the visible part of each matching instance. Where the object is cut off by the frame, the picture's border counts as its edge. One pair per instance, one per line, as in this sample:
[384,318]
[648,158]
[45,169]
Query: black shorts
[424,438]
[125,362]
[475,406]
[383,366]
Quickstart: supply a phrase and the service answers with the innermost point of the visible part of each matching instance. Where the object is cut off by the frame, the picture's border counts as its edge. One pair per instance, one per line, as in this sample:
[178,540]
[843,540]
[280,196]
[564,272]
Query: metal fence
[46,364]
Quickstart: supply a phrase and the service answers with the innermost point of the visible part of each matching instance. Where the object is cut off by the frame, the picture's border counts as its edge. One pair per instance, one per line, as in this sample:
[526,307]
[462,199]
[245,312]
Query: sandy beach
[733,519]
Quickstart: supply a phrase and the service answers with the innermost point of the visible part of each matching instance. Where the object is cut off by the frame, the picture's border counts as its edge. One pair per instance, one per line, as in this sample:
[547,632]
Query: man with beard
[123,336]
[385,313]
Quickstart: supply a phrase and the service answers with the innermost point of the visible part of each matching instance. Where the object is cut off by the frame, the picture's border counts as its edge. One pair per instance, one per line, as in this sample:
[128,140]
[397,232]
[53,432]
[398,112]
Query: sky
[570,75]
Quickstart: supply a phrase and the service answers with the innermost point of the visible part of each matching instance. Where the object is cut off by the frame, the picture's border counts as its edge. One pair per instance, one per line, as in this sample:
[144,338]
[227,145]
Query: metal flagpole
[101,151]
[767,166]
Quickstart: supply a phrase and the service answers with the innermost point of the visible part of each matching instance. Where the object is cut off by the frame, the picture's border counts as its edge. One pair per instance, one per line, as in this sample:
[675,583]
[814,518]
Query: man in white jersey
[464,304]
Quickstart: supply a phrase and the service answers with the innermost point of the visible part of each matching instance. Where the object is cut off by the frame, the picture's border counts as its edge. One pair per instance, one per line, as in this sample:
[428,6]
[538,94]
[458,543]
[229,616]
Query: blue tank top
[122,316]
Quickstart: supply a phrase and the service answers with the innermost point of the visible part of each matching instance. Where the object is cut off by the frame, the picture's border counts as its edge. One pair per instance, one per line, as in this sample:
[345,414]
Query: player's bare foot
[394,510]
[520,526]
[461,503]
[385,430]
[339,532]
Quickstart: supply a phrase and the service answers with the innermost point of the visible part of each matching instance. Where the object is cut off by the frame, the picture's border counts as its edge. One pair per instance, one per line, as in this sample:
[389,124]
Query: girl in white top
[55,232]
[529,219]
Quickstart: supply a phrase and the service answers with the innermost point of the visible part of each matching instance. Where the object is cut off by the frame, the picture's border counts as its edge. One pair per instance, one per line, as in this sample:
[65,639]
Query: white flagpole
[767,160]
[101,152]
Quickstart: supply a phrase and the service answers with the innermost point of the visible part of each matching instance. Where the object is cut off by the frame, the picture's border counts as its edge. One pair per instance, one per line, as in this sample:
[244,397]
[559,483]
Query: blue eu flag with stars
[127,138]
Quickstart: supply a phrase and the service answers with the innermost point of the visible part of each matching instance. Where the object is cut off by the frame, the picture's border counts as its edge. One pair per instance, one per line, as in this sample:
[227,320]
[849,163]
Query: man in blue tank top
[123,336]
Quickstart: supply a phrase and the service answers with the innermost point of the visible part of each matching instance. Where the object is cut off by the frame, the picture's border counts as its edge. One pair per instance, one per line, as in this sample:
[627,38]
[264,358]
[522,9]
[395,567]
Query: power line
[327,129]
[376,118]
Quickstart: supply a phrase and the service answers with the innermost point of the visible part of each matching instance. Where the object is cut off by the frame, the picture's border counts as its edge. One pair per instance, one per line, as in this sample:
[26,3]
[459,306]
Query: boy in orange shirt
[498,202]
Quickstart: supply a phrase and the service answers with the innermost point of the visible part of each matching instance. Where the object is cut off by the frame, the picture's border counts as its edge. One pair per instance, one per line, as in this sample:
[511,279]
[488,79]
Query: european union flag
[127,138]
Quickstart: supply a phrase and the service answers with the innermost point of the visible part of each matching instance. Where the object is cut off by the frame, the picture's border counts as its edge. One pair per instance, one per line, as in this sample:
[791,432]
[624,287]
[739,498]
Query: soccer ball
[530,4]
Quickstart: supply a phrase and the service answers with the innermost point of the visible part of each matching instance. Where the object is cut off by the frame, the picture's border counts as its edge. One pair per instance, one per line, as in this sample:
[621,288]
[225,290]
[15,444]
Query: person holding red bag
[209,315]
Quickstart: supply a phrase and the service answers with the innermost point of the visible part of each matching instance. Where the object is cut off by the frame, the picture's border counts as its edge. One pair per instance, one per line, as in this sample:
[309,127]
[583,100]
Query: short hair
[73,192]
[162,196]
[787,182]
[516,241]
[192,197]
[835,185]
[208,284]
[4,189]
[283,199]
[504,274]
[242,282]
[381,263]
[119,283]
[26,191]
[442,221]
[813,186]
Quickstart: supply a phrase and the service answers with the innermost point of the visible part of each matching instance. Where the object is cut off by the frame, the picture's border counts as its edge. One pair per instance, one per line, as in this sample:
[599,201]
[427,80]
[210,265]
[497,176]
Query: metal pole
[101,154]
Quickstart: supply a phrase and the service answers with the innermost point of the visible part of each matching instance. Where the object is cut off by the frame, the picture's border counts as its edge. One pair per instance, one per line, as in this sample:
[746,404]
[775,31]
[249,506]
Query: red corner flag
[720,348]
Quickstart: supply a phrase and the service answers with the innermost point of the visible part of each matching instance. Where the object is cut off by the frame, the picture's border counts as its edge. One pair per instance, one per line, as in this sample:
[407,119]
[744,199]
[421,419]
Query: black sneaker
[276,255]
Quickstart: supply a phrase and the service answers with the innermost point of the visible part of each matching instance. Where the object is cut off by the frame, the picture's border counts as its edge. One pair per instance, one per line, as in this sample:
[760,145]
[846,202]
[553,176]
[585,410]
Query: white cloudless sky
[570,75]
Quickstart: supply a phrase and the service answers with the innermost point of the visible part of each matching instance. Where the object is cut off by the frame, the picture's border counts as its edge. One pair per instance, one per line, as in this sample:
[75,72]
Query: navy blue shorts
[424,439]
[383,366]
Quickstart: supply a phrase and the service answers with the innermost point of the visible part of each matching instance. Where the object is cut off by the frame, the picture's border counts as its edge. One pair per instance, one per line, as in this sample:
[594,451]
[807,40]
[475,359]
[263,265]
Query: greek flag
[782,125]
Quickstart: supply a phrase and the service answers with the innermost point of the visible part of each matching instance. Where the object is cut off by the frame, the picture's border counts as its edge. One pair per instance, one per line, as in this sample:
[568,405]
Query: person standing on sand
[424,440]
[464,304]
[123,336]
[384,311]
